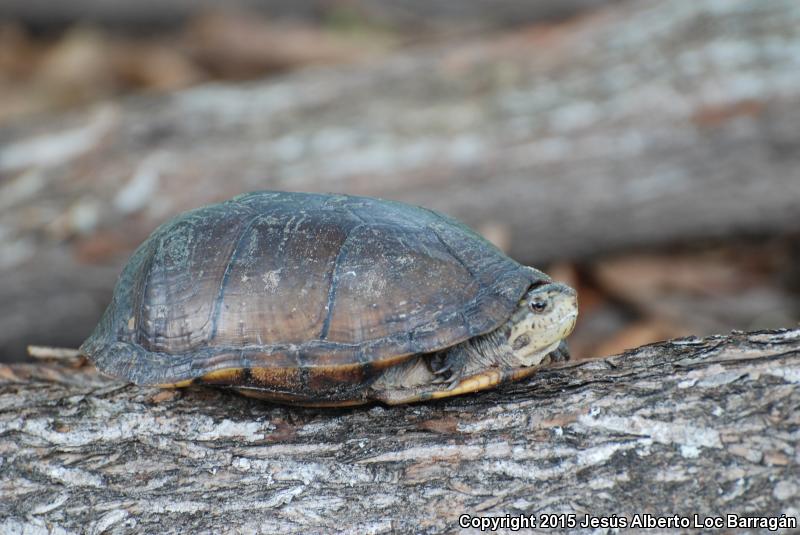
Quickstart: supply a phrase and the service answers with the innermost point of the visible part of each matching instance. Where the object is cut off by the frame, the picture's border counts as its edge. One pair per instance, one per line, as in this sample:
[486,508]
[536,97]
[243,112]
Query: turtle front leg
[449,367]
[457,370]
[474,383]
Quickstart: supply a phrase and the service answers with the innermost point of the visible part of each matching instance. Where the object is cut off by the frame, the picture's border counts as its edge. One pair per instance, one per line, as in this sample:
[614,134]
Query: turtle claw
[442,370]
[438,364]
[447,370]
[450,383]
[454,382]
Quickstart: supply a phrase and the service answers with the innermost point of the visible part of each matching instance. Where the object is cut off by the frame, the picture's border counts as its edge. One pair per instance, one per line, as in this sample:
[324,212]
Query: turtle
[328,300]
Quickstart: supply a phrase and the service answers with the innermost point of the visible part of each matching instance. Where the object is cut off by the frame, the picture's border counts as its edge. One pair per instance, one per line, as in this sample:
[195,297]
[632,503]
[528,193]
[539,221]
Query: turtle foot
[467,385]
[448,367]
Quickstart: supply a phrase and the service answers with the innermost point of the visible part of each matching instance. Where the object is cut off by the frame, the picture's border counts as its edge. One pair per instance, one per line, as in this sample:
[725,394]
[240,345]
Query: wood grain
[689,426]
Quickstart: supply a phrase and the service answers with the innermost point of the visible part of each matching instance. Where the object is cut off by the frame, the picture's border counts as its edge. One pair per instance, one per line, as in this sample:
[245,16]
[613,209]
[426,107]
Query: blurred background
[646,152]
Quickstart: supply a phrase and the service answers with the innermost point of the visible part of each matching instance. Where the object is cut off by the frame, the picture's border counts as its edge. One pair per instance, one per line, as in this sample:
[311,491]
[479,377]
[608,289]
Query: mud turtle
[328,300]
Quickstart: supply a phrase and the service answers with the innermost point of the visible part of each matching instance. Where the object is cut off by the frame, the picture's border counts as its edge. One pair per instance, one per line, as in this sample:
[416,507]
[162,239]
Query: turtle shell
[274,280]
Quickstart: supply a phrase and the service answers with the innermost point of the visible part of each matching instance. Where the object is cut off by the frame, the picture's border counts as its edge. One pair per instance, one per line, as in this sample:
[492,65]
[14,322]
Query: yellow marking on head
[533,330]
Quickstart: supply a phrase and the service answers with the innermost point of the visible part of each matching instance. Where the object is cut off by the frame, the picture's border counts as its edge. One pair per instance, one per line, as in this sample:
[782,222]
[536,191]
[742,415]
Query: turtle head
[545,316]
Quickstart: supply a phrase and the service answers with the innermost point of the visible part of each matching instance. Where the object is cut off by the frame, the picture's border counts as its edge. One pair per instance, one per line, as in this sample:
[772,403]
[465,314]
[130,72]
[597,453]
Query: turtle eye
[538,305]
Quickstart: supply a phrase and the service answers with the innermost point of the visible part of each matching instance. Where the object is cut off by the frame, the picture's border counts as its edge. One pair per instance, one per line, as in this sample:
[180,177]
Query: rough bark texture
[689,426]
[416,14]
[646,124]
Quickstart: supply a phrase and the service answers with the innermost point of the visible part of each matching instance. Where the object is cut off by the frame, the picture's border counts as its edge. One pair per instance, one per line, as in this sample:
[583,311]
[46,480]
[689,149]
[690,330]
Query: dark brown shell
[295,280]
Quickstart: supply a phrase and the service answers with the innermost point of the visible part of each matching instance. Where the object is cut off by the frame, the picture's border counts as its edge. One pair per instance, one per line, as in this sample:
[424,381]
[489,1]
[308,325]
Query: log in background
[642,124]
[692,426]
[410,15]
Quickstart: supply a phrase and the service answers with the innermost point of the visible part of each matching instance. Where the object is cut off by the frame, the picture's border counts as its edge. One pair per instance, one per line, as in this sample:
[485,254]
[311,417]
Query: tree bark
[691,426]
[647,124]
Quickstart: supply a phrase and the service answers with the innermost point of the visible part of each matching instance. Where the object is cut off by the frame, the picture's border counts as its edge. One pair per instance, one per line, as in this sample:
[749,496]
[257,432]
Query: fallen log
[690,426]
[644,125]
[414,15]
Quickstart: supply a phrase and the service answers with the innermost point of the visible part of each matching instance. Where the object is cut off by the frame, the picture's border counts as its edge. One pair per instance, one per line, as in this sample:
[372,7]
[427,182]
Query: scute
[295,280]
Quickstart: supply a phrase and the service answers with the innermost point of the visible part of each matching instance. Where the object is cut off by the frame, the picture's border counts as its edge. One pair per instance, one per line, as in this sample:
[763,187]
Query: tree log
[417,14]
[644,125]
[685,427]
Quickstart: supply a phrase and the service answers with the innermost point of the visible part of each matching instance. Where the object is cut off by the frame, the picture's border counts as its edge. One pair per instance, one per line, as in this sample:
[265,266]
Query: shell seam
[326,324]
[453,253]
[226,274]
